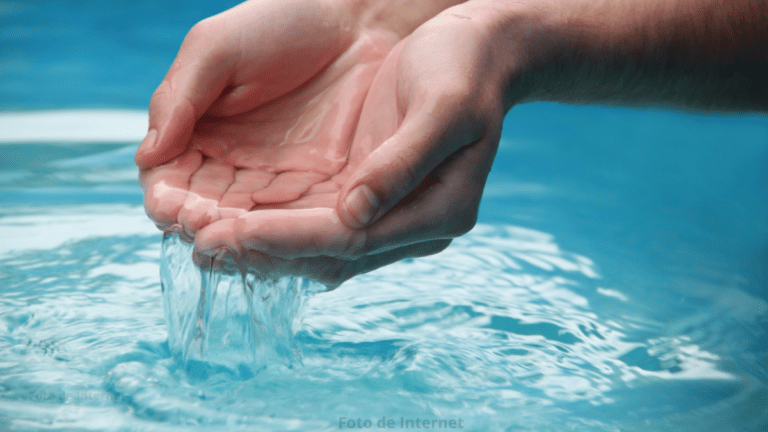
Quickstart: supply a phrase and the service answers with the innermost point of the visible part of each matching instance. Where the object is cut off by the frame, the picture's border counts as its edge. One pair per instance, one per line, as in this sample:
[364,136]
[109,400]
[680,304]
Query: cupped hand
[257,110]
[422,149]
[260,106]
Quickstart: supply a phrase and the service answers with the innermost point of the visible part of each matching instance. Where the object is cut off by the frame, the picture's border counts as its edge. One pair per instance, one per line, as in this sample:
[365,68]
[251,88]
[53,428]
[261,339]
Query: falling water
[238,321]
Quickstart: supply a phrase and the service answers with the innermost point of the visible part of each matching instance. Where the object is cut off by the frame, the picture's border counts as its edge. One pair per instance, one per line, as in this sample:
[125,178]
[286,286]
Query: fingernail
[206,251]
[174,229]
[222,253]
[217,251]
[362,204]
[186,236]
[218,259]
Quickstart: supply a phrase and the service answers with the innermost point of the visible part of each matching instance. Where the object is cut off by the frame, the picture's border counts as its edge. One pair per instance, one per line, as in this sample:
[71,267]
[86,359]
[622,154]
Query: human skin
[255,115]
[446,112]
[430,120]
[260,105]
[697,55]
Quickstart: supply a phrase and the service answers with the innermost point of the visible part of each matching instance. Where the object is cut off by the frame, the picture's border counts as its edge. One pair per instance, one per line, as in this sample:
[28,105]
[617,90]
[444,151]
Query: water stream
[239,321]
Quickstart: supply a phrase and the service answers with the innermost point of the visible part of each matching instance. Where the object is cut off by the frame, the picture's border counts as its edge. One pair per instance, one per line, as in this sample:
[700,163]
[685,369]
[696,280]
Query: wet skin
[260,172]
[367,136]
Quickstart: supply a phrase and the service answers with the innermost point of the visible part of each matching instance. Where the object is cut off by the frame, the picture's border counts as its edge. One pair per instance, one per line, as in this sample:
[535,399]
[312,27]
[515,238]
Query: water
[235,321]
[505,330]
[617,279]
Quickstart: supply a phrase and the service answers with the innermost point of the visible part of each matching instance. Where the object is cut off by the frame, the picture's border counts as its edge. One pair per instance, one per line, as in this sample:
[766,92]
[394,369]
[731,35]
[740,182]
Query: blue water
[617,280]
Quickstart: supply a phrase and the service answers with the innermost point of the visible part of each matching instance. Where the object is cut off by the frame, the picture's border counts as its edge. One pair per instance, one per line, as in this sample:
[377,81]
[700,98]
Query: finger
[199,73]
[247,181]
[322,194]
[282,233]
[443,207]
[307,201]
[287,186]
[236,100]
[206,188]
[166,188]
[279,59]
[328,271]
[332,272]
[400,164]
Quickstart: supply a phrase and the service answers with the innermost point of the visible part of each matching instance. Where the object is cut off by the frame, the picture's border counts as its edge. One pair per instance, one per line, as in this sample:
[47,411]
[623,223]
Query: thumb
[197,77]
[400,164]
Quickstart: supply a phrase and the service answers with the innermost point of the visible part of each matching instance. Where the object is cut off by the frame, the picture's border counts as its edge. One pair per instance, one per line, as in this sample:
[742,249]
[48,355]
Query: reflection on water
[503,330]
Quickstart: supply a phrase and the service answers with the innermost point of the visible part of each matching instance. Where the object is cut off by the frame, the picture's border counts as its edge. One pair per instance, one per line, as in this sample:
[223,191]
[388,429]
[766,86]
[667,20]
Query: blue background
[654,197]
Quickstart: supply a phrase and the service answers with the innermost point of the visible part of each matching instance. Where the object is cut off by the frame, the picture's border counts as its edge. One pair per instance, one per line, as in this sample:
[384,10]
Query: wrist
[559,51]
[519,45]
[400,17]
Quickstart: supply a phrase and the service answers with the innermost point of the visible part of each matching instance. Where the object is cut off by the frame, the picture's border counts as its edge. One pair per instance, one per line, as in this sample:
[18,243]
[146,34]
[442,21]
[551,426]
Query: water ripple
[504,330]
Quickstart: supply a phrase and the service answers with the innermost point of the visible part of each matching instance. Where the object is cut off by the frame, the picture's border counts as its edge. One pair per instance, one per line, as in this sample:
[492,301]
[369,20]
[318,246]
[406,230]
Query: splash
[238,321]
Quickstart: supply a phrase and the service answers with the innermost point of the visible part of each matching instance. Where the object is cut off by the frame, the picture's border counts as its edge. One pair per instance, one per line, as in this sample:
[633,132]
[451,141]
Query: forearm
[693,54]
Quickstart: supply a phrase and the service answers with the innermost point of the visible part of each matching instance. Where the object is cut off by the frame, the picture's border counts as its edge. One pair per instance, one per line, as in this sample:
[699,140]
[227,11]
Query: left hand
[254,114]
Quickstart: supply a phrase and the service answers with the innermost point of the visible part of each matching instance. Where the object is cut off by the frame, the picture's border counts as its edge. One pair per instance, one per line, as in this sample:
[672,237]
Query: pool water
[617,279]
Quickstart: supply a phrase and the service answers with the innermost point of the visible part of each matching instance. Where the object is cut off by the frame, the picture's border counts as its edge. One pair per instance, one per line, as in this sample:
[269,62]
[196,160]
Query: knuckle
[402,165]
[210,41]
[160,96]
[162,90]
[202,30]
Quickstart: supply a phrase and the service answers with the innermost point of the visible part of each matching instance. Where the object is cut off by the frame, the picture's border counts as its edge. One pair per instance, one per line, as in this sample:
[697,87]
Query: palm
[288,152]
[400,119]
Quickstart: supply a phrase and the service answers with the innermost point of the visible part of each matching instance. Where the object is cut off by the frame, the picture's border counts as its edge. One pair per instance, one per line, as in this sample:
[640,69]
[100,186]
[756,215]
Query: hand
[259,107]
[422,150]
[253,112]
